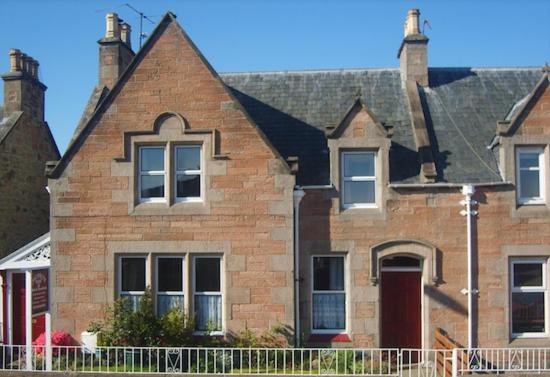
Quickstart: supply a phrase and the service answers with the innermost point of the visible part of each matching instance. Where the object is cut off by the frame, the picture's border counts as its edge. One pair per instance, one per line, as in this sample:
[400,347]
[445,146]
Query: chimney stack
[115,52]
[23,91]
[413,53]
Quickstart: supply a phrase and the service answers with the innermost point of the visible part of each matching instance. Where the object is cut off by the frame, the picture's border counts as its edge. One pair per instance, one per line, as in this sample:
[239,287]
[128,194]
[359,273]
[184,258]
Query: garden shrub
[58,338]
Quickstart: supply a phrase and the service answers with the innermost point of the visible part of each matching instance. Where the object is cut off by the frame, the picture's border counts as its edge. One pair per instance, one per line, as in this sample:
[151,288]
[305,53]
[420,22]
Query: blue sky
[260,35]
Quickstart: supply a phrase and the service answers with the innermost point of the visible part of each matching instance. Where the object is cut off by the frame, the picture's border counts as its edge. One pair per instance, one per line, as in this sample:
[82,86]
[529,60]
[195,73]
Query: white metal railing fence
[260,361]
[501,360]
[278,361]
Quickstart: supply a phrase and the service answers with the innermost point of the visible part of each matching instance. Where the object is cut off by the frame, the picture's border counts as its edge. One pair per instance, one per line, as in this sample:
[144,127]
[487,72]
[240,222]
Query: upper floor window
[188,173]
[358,179]
[328,295]
[152,174]
[528,297]
[530,175]
[182,172]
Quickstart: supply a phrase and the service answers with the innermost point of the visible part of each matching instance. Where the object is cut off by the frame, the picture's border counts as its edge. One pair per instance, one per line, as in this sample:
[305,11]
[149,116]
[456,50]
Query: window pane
[329,311]
[133,301]
[133,274]
[528,275]
[528,160]
[530,185]
[528,312]
[188,186]
[359,164]
[328,273]
[208,312]
[165,303]
[152,159]
[152,186]
[401,261]
[359,192]
[188,158]
[207,275]
[170,274]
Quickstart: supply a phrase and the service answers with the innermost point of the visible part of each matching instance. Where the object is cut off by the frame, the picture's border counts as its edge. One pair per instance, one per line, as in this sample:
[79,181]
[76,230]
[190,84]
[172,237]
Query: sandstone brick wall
[24,203]
[502,230]
[247,216]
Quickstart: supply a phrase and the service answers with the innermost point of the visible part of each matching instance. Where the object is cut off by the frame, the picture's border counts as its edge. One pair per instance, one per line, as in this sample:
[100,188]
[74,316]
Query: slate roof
[461,106]
[8,123]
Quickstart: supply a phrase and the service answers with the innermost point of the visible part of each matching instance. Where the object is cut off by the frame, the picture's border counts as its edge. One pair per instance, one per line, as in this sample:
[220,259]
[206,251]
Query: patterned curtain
[329,311]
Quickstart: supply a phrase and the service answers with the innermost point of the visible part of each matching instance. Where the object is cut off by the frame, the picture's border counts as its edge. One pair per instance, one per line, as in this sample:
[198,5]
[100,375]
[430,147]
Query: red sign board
[40,294]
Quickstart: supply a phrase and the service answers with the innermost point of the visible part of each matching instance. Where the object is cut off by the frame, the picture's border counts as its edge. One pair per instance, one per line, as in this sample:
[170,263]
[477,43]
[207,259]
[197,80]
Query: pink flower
[59,338]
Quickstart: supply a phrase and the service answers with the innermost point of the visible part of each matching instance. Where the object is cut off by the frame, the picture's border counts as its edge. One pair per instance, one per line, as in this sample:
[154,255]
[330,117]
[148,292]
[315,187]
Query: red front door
[18,308]
[401,309]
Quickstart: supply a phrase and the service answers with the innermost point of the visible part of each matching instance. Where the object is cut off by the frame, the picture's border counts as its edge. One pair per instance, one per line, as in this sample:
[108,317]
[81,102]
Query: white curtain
[329,311]
[133,301]
[165,303]
[208,312]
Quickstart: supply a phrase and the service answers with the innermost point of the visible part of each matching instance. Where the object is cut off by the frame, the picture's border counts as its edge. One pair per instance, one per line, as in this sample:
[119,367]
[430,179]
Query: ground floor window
[328,294]
[132,277]
[208,293]
[170,284]
[528,297]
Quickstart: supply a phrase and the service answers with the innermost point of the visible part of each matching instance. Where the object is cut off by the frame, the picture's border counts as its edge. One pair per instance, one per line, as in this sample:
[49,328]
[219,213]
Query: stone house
[26,144]
[329,201]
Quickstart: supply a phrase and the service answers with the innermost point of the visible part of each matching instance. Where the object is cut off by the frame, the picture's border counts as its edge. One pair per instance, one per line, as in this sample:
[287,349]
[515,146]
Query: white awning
[33,255]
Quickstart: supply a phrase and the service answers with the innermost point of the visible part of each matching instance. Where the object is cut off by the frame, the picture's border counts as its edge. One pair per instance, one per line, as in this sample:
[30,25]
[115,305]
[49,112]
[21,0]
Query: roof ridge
[329,70]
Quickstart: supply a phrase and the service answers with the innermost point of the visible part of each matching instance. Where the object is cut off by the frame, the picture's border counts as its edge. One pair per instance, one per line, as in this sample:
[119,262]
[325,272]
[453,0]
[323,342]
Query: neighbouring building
[26,145]
[326,200]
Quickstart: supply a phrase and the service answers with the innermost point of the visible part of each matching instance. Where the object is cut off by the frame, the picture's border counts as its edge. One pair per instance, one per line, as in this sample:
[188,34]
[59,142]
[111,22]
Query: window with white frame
[528,297]
[188,173]
[132,279]
[358,171]
[170,283]
[530,175]
[152,174]
[207,293]
[328,295]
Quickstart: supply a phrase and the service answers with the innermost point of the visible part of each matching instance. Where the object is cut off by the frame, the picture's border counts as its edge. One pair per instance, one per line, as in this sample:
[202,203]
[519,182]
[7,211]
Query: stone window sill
[180,208]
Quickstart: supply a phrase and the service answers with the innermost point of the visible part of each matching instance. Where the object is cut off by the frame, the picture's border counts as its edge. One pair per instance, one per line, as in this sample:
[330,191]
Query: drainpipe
[297,198]
[468,191]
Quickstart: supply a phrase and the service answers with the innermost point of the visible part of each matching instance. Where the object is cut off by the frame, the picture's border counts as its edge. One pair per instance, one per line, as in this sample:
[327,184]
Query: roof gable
[169,20]
[522,108]
[368,122]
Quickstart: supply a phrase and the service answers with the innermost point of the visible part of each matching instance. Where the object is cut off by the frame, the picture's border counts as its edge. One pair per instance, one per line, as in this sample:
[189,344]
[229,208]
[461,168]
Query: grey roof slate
[461,107]
[8,123]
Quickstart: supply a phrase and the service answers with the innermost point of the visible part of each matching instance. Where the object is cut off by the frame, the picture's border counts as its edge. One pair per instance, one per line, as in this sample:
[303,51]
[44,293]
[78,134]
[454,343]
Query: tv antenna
[142,16]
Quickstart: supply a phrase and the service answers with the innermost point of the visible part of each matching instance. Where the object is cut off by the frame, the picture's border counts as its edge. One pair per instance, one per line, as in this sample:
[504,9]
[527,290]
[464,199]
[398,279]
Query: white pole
[48,320]
[297,195]
[28,319]
[468,191]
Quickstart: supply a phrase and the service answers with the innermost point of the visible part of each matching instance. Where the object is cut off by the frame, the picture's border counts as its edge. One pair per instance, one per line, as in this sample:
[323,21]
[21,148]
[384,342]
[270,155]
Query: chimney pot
[15,60]
[112,27]
[125,34]
[412,25]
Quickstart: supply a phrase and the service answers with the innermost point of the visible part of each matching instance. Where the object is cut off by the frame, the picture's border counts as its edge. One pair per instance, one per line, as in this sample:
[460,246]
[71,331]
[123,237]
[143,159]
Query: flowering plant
[59,338]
